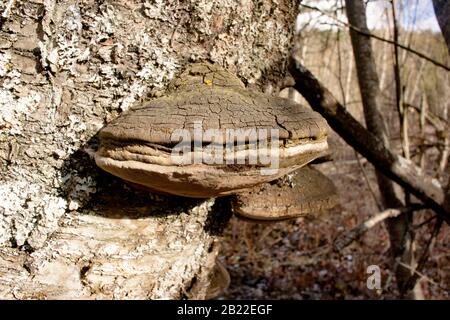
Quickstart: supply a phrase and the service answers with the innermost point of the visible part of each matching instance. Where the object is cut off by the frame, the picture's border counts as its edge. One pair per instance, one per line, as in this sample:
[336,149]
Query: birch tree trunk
[400,234]
[67,67]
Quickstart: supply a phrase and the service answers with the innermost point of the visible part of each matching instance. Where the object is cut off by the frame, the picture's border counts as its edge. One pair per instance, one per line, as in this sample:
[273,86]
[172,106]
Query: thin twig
[347,238]
[339,77]
[424,257]
[420,225]
[418,273]
[422,118]
[372,192]
[416,269]
[401,109]
[435,120]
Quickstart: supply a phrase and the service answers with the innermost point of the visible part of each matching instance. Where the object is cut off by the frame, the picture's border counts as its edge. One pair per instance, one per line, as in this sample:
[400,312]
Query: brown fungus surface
[137,146]
[303,192]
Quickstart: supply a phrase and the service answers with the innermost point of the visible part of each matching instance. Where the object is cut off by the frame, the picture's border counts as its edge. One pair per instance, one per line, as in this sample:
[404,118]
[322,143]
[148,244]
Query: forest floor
[294,259]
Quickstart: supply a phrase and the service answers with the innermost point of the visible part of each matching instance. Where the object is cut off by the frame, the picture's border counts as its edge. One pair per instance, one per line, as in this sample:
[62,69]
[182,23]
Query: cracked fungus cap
[228,136]
[301,193]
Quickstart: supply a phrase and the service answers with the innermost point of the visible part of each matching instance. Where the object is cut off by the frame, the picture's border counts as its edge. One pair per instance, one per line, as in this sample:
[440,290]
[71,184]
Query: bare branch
[347,238]
[438,122]
[423,276]
[372,192]
[399,169]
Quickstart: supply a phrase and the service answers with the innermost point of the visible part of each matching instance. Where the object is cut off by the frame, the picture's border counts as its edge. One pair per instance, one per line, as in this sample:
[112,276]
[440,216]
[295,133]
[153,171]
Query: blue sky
[417,14]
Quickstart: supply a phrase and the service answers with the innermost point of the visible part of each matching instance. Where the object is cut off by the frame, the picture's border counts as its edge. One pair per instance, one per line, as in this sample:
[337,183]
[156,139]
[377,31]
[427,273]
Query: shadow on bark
[115,199]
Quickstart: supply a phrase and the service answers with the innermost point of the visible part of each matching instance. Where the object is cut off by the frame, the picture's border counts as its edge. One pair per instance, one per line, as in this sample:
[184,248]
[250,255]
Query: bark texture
[67,68]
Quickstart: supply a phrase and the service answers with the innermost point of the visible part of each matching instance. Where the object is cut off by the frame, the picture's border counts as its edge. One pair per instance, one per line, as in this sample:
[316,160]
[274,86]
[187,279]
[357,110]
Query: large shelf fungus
[209,136]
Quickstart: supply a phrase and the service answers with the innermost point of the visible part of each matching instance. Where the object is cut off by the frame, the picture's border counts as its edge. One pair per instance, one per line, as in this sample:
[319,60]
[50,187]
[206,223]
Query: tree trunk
[442,11]
[68,230]
[401,236]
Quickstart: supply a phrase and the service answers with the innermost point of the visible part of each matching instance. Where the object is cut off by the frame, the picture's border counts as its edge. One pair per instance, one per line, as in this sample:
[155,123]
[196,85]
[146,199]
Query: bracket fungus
[297,194]
[209,136]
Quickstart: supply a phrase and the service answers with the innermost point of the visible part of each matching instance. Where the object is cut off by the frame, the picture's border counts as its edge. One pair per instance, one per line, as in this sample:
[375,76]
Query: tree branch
[402,171]
[345,239]
[424,258]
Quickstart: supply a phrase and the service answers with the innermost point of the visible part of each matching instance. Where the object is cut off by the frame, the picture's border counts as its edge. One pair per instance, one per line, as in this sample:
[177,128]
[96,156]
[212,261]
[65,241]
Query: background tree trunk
[400,234]
[442,11]
[68,230]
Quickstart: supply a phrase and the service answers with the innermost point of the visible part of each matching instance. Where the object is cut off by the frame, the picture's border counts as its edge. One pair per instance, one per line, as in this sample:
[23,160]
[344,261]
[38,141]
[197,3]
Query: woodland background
[294,259]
